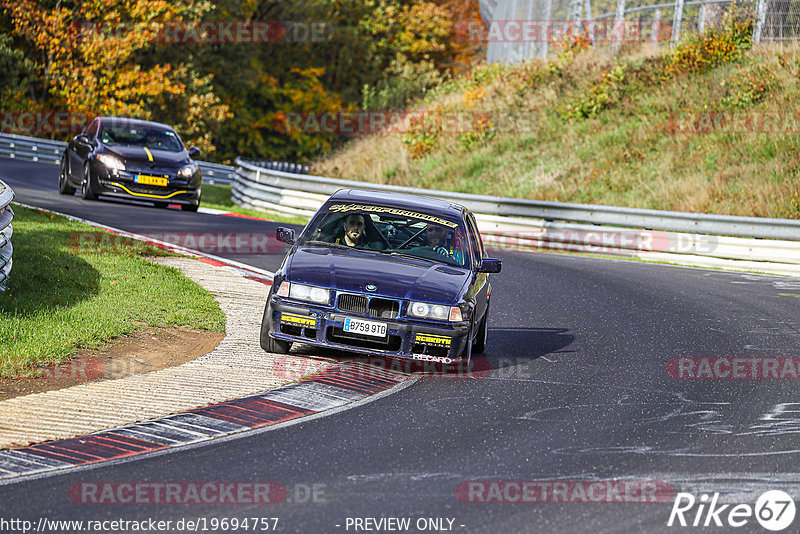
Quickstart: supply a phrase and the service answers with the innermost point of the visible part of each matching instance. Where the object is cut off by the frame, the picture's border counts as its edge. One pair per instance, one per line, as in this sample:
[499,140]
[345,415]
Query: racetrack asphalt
[578,391]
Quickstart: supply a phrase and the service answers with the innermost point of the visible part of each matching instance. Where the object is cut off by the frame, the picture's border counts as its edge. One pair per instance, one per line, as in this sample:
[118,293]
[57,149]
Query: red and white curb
[335,387]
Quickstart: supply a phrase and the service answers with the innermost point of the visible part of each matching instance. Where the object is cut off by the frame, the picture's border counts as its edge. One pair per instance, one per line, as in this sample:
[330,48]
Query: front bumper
[122,184]
[405,338]
[171,194]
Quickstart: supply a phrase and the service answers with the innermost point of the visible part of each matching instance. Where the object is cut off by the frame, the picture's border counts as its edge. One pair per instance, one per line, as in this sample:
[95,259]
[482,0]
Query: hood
[394,277]
[137,155]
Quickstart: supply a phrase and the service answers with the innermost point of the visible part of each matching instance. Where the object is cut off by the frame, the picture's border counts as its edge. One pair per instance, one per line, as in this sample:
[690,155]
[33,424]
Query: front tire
[269,343]
[63,184]
[87,189]
[190,207]
[483,332]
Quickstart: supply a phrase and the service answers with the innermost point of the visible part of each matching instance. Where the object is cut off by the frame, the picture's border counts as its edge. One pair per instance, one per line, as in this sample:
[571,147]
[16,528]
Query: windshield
[152,138]
[389,231]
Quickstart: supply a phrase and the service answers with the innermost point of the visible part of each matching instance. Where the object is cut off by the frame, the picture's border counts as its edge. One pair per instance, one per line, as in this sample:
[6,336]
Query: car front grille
[377,307]
[384,308]
[353,303]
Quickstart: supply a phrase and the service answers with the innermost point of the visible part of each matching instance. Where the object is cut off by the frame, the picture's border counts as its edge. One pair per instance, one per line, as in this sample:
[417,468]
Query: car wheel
[161,205]
[63,185]
[87,190]
[269,343]
[483,330]
[190,207]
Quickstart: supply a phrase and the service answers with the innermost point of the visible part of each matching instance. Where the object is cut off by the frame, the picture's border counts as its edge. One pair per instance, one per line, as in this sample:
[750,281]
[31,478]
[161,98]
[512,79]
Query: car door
[479,289]
[79,151]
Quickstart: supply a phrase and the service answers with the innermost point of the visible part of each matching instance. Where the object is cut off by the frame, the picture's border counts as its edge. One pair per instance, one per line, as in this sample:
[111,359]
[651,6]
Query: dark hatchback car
[132,159]
[383,274]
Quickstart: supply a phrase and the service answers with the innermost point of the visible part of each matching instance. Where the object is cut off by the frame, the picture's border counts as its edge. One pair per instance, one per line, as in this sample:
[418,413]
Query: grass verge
[67,293]
[218,196]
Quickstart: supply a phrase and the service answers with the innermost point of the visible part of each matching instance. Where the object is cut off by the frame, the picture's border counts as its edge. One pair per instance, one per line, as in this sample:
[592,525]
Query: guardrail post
[676,23]
[761,15]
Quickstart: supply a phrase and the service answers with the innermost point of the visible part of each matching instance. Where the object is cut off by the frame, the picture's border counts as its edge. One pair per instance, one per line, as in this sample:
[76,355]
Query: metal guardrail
[49,151]
[6,250]
[294,192]
[520,224]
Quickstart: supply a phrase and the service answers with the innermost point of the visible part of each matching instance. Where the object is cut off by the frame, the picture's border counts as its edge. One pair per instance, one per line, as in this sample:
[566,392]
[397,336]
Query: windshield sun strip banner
[365,208]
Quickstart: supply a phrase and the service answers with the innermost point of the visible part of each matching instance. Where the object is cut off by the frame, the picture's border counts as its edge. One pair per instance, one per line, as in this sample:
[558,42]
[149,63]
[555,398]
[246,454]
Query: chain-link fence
[522,29]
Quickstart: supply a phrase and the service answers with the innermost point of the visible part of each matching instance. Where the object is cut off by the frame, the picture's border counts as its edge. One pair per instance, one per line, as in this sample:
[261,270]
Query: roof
[399,200]
[133,122]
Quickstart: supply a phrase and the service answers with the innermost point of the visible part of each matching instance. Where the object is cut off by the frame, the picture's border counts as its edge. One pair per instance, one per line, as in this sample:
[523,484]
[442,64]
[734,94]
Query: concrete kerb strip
[237,369]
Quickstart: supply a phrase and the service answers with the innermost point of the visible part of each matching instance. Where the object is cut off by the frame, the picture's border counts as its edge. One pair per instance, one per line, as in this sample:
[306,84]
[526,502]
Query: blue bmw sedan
[383,274]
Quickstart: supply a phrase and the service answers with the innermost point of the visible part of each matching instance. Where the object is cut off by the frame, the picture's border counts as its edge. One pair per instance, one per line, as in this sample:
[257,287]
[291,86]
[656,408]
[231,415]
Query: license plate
[151,180]
[367,328]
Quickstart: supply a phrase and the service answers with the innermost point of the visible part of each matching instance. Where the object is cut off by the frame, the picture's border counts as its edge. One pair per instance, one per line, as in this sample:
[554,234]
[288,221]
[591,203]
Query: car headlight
[111,162]
[303,292]
[435,311]
[188,171]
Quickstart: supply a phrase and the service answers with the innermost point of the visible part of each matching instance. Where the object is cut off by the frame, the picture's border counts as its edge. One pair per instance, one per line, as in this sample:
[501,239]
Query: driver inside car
[354,233]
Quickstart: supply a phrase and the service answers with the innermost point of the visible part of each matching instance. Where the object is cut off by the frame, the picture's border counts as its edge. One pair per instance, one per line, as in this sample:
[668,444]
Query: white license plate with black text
[367,328]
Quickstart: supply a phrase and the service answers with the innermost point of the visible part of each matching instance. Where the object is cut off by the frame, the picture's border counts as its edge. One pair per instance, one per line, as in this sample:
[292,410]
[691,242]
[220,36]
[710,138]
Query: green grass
[568,130]
[68,292]
[219,197]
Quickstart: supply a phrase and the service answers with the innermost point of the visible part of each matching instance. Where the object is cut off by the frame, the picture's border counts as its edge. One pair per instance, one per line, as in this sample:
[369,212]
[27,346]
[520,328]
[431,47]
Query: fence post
[656,26]
[761,14]
[676,23]
[548,10]
[619,29]
[590,27]
[701,19]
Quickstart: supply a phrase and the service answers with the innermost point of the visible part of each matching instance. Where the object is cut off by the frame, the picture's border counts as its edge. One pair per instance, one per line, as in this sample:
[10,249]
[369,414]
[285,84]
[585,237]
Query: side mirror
[285,235]
[490,265]
[83,139]
[194,152]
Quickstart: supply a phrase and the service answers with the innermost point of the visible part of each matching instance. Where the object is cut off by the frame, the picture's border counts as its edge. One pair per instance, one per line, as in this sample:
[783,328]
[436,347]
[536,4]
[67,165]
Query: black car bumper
[123,184]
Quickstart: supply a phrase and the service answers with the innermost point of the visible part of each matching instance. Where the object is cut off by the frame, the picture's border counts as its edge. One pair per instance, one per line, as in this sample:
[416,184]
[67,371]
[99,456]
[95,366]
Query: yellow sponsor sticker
[298,320]
[430,339]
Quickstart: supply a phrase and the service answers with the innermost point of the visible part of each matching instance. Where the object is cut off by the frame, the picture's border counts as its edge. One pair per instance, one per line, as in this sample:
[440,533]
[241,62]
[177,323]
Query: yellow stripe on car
[145,194]
[149,154]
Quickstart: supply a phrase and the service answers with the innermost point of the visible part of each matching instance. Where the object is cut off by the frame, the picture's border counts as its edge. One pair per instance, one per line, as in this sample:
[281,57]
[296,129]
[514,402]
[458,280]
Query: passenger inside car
[440,239]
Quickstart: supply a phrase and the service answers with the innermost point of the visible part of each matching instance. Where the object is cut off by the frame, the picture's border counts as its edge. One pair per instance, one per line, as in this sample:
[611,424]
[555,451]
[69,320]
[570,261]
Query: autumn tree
[86,56]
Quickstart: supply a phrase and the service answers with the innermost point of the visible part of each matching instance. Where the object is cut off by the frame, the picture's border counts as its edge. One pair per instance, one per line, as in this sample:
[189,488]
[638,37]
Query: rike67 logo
[774,510]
